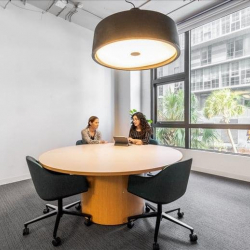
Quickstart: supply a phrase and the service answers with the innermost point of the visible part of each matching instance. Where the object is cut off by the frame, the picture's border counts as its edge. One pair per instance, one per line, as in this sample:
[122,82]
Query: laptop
[121,141]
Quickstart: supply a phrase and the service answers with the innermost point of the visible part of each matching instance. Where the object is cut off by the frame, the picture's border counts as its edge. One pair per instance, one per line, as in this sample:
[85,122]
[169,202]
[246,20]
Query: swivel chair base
[59,211]
[157,212]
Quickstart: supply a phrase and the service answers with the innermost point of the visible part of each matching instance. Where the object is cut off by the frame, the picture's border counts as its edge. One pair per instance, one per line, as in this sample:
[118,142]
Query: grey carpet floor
[218,209]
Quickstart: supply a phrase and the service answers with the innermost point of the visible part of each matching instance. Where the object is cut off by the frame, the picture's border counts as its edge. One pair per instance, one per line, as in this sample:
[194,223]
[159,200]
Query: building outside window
[219,89]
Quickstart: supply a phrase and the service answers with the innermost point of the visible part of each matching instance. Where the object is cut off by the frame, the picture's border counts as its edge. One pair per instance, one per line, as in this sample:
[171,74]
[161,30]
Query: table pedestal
[108,201]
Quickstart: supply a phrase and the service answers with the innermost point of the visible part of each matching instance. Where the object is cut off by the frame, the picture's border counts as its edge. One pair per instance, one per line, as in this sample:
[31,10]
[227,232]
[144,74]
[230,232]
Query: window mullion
[187,89]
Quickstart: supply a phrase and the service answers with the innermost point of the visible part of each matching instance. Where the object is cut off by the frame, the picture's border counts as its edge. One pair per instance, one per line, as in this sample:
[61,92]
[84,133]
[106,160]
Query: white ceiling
[93,12]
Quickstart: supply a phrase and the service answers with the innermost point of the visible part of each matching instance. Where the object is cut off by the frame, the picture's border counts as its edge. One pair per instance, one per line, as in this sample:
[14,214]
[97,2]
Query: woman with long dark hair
[90,134]
[140,130]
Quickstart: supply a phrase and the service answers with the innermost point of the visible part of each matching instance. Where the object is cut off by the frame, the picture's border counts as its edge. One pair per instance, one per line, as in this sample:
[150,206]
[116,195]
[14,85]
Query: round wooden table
[107,168]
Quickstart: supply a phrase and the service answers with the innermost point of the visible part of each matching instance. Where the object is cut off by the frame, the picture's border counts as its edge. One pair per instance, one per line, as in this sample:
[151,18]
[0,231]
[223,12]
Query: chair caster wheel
[147,209]
[130,224]
[46,210]
[26,231]
[56,242]
[78,207]
[87,222]
[156,246]
[180,215]
[193,237]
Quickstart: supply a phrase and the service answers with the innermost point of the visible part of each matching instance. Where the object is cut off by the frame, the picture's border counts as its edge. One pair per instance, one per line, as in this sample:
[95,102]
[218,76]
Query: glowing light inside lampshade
[135,53]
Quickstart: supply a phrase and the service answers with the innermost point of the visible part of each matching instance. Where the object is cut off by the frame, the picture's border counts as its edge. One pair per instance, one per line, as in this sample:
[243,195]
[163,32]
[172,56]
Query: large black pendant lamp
[136,40]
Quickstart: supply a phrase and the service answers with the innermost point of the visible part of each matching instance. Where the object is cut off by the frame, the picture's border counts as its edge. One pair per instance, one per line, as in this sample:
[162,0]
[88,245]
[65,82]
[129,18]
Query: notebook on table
[121,141]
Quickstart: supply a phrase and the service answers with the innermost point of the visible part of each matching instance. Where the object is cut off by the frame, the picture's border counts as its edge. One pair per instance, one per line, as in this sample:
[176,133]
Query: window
[196,79]
[235,25]
[206,55]
[215,77]
[222,140]
[235,48]
[207,80]
[245,17]
[235,78]
[207,32]
[215,114]
[225,74]
[175,67]
[245,71]
[225,25]
[171,136]
[170,106]
[160,93]
[215,28]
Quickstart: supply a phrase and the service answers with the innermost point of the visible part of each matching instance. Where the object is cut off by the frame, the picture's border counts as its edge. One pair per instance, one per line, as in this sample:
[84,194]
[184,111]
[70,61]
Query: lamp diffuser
[136,40]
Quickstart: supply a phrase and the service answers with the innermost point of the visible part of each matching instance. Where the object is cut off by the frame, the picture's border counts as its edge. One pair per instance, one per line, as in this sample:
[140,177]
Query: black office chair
[80,142]
[153,142]
[165,187]
[52,186]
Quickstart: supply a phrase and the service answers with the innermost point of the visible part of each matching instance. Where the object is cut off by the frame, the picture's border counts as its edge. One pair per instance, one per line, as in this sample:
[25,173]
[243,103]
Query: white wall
[232,166]
[145,93]
[122,102]
[127,87]
[135,90]
[49,87]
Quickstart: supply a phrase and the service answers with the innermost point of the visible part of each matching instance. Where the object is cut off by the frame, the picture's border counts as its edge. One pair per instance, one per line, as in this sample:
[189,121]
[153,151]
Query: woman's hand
[139,142]
[135,141]
[131,140]
[103,142]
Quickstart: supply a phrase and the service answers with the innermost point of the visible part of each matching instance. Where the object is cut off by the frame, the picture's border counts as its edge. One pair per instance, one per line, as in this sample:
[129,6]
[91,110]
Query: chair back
[80,142]
[171,183]
[49,185]
[153,142]
[167,186]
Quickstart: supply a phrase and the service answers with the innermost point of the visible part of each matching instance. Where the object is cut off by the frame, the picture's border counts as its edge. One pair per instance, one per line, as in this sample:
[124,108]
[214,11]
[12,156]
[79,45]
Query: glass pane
[170,102]
[224,140]
[220,70]
[176,66]
[171,136]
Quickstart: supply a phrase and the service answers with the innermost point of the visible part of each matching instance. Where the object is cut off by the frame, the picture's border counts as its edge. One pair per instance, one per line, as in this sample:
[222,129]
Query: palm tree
[226,103]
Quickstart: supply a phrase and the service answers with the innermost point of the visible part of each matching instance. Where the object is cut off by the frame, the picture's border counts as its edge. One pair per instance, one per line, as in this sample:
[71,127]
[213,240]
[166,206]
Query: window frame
[186,77]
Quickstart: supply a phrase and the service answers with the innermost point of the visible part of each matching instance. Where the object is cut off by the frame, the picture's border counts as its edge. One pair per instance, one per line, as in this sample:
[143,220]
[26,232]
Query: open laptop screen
[121,141]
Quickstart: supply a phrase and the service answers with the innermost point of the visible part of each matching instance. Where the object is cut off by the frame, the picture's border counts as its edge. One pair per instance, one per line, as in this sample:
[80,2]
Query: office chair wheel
[130,224]
[147,209]
[78,207]
[193,237]
[87,222]
[26,231]
[180,215]
[56,242]
[46,210]
[156,246]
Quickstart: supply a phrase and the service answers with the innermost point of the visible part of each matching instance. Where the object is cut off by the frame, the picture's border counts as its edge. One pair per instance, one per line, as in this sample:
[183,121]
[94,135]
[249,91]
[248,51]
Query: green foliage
[171,136]
[173,110]
[173,103]
[226,103]
[223,102]
[132,111]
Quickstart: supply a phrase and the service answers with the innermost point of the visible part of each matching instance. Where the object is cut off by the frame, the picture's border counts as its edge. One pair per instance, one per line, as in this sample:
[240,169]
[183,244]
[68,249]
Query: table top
[109,160]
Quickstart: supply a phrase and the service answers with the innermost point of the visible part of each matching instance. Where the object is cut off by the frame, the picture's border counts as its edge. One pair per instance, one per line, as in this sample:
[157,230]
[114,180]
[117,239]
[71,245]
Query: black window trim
[186,124]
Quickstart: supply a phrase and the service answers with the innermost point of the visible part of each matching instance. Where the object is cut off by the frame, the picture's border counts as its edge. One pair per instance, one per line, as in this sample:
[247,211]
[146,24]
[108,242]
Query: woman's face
[136,121]
[94,124]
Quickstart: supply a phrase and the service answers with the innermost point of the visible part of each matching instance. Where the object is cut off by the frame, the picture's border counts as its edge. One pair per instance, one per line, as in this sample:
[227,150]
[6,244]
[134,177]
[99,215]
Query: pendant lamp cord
[130,3]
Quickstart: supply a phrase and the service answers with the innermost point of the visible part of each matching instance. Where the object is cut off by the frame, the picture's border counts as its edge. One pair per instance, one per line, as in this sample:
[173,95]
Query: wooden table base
[108,201]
